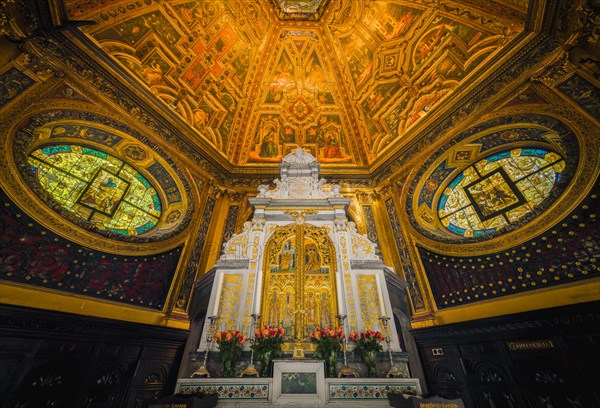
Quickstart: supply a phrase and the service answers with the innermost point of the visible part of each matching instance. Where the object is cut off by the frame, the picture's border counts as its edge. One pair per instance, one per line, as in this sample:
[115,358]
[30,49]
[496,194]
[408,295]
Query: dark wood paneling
[61,360]
[539,359]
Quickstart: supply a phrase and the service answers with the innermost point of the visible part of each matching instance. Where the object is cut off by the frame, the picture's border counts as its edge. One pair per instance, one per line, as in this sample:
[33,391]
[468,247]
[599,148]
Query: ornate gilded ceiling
[350,81]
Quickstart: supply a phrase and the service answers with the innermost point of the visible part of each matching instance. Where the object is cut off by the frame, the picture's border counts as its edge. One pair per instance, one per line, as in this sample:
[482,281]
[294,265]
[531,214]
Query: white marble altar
[300,263]
[301,198]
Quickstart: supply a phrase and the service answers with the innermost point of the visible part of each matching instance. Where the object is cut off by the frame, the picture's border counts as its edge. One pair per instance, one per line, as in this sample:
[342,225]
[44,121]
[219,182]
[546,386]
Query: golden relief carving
[352,321]
[229,302]
[299,291]
[248,302]
[368,295]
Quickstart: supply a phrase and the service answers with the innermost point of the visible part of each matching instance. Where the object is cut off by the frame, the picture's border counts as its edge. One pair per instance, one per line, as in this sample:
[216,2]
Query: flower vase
[330,362]
[228,365]
[265,363]
[369,357]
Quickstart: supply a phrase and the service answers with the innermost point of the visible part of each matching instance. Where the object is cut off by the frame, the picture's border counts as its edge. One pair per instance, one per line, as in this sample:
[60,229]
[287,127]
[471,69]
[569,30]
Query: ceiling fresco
[346,80]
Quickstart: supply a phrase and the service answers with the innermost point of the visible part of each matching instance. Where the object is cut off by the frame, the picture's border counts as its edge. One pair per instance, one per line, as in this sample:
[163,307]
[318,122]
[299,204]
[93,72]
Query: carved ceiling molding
[209,63]
[170,126]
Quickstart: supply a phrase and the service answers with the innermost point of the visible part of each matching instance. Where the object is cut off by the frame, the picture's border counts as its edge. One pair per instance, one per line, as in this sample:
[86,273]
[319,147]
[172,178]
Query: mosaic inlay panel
[190,273]
[12,83]
[230,391]
[367,391]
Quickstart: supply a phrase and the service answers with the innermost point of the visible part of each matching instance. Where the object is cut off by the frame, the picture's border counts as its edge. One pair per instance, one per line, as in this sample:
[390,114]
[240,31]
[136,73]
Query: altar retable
[299,264]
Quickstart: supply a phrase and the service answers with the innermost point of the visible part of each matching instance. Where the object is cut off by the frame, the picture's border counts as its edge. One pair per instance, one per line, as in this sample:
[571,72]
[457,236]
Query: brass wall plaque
[527,345]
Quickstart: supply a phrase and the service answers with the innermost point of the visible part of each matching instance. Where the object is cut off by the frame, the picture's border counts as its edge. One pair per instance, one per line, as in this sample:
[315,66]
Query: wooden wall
[537,359]
[50,359]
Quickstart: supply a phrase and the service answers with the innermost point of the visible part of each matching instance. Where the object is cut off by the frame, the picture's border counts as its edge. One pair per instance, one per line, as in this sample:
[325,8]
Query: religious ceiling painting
[347,80]
[496,177]
[299,292]
[304,103]
[96,173]
[12,83]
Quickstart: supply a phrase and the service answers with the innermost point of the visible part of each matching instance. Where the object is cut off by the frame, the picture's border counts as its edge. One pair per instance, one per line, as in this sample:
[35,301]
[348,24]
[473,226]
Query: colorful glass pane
[97,187]
[498,190]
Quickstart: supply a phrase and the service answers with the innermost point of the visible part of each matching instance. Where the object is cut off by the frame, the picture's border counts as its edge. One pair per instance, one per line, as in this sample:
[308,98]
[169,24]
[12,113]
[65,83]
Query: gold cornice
[42,298]
[578,292]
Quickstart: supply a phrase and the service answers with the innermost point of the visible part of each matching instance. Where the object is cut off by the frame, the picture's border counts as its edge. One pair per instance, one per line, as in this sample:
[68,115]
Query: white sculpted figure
[299,156]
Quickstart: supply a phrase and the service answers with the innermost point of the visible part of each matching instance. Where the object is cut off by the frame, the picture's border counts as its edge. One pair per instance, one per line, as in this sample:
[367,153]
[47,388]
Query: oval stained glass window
[97,187]
[498,191]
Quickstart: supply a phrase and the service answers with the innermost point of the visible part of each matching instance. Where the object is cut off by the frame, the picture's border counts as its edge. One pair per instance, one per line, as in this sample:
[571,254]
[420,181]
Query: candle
[380,296]
[217,295]
[216,305]
[340,295]
[257,290]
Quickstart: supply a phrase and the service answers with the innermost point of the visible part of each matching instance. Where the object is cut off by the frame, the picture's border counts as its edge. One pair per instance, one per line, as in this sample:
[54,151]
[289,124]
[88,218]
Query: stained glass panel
[97,187]
[498,190]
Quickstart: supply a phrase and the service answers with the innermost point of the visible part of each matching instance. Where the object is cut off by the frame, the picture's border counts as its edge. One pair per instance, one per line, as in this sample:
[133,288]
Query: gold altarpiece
[299,263]
[299,292]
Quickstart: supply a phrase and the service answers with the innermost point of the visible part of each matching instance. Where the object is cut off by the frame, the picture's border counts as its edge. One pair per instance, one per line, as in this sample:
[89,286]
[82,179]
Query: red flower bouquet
[367,340]
[368,343]
[267,345]
[230,345]
[329,343]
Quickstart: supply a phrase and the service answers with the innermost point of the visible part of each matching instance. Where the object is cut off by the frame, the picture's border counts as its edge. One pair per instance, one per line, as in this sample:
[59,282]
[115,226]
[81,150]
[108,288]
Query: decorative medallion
[300,111]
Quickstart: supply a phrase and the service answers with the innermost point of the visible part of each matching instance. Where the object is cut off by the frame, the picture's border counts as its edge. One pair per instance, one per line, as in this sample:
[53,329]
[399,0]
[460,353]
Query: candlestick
[346,370]
[393,371]
[202,371]
[251,370]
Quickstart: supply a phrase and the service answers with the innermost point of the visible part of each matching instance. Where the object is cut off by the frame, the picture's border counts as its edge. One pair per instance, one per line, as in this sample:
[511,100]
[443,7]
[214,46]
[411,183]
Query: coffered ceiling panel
[349,81]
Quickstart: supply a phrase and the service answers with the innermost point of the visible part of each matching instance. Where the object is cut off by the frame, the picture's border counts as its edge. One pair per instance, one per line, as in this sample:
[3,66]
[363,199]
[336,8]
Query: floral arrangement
[327,339]
[267,345]
[231,343]
[368,343]
[367,340]
[230,338]
[268,339]
[329,343]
